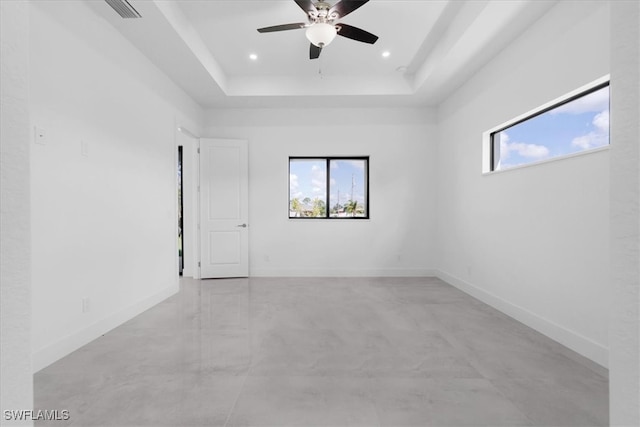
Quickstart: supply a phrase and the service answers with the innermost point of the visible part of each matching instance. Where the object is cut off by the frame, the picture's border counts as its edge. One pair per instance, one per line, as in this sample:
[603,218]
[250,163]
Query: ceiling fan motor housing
[322,13]
[321,29]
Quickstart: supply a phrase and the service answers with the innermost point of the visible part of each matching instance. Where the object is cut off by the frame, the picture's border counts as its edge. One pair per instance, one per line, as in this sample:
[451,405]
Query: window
[571,125]
[329,187]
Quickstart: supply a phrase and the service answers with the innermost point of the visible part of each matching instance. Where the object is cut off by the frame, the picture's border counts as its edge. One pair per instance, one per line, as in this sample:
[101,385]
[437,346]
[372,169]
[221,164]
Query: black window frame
[492,135]
[328,160]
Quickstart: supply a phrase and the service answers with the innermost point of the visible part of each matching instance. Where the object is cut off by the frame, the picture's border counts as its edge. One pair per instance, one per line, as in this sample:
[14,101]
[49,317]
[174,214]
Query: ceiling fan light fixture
[321,34]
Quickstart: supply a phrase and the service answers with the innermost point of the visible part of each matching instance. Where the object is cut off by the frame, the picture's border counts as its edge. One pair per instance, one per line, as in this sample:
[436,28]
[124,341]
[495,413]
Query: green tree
[351,207]
[319,208]
[295,206]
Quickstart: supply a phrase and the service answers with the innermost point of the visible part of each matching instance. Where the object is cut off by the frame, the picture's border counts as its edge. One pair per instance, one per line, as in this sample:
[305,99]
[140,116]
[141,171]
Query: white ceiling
[434,46]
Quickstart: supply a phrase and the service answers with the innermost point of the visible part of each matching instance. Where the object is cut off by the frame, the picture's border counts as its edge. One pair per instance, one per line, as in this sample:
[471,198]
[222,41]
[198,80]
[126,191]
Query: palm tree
[351,207]
[295,206]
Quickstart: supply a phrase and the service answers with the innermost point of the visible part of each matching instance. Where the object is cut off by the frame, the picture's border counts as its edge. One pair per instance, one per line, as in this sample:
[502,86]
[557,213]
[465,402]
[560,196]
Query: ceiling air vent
[123,8]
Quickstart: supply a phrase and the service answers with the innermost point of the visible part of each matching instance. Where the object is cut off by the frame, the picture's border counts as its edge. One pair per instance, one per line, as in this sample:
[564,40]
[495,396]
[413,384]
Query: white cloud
[597,138]
[587,141]
[318,184]
[293,182]
[601,120]
[318,180]
[523,149]
[294,187]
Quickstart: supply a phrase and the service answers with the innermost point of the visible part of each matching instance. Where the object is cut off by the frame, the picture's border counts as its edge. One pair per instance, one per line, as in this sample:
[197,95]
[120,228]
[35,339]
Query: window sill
[551,160]
[328,219]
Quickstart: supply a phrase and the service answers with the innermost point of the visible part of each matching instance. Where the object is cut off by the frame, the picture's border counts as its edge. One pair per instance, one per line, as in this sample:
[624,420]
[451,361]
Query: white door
[224,203]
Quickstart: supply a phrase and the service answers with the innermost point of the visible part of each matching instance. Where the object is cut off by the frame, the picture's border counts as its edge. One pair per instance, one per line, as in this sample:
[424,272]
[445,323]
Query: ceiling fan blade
[314,51]
[306,5]
[283,27]
[345,7]
[356,33]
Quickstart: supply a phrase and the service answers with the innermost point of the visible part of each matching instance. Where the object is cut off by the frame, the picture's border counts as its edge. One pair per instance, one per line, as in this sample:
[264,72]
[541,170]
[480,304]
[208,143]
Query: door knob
[242,225]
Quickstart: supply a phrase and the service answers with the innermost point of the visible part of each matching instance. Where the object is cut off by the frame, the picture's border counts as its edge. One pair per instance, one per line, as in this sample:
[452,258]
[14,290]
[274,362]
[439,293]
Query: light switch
[84,148]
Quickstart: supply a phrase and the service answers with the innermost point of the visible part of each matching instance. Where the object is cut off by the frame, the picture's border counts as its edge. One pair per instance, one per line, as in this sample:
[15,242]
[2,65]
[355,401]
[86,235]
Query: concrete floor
[323,352]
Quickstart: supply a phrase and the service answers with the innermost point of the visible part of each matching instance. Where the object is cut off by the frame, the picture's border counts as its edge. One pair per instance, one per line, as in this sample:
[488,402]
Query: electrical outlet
[39,136]
[85,305]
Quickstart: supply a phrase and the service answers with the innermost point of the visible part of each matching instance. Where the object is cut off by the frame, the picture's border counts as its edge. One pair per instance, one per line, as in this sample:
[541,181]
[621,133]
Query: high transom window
[572,125]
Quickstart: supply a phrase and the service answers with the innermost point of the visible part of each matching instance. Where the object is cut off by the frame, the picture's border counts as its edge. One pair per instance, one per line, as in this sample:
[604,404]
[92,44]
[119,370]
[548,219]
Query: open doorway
[187,203]
[180,214]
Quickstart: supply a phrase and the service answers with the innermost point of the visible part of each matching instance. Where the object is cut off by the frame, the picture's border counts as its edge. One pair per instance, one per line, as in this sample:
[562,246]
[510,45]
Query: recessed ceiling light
[386,54]
[253,57]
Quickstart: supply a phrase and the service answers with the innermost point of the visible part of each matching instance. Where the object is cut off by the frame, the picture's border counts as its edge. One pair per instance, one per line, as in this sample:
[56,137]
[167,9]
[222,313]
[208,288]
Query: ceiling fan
[321,26]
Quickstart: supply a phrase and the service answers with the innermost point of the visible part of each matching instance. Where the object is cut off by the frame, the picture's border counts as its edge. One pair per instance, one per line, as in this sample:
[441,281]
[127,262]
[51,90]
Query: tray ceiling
[433,47]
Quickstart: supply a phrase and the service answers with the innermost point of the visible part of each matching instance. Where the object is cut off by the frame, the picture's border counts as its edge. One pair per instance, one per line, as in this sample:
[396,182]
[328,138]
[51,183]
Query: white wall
[624,361]
[16,387]
[532,242]
[67,114]
[104,221]
[399,237]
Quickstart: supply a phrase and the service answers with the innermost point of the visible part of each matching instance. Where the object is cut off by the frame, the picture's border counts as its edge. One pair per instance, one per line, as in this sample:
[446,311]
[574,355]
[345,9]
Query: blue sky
[307,178]
[579,125]
[343,174]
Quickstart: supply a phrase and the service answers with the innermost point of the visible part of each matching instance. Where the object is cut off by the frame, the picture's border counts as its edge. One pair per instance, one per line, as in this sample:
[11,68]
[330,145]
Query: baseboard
[325,272]
[570,339]
[50,354]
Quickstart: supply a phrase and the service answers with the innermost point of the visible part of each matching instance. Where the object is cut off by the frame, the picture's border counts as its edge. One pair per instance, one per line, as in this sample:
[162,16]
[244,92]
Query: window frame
[328,160]
[489,141]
